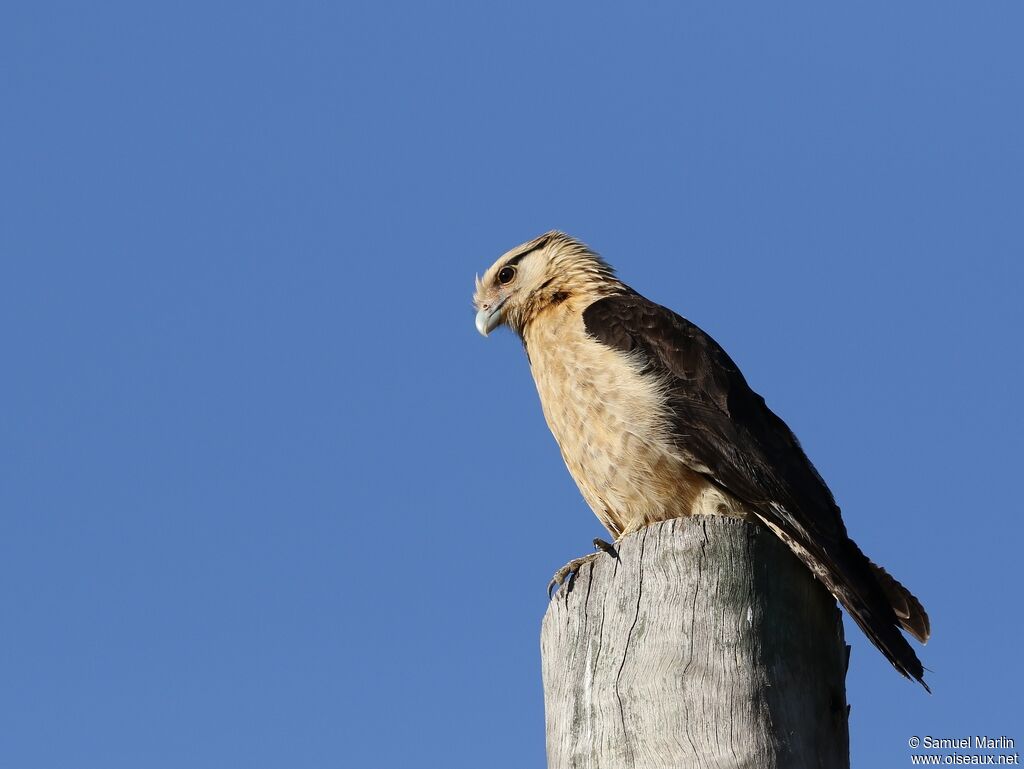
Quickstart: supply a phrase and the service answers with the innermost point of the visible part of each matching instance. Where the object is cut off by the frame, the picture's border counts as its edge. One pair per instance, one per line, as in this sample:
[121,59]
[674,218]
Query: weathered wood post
[706,644]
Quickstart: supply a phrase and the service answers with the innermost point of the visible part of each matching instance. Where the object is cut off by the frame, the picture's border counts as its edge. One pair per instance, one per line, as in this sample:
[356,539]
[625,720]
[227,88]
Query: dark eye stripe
[519,257]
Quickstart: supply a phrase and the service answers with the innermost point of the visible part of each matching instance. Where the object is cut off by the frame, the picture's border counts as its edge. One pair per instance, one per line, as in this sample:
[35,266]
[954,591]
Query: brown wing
[729,434]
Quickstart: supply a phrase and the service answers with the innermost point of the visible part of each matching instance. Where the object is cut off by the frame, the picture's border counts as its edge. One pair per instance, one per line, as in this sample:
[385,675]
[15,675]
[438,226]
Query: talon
[570,570]
[607,547]
[559,577]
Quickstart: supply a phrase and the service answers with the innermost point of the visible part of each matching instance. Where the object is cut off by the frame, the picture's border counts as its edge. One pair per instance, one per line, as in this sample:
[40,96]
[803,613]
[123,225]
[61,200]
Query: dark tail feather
[876,602]
[909,610]
[888,639]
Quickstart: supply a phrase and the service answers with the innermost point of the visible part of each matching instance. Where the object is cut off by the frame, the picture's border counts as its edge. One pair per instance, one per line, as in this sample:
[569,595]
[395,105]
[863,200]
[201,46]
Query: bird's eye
[506,275]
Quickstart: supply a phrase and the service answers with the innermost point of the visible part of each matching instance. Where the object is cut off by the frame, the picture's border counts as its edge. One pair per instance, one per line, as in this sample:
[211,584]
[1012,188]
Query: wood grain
[706,644]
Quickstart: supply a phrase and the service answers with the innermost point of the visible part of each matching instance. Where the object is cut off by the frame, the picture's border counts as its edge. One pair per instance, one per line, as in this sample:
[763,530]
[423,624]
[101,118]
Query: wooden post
[706,644]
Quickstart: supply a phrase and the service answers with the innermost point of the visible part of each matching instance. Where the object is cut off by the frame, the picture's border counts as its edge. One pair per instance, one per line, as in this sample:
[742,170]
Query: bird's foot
[571,569]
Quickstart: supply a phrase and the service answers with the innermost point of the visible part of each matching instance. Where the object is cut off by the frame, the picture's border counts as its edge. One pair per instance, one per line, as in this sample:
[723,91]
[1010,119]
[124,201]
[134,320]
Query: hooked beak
[490,317]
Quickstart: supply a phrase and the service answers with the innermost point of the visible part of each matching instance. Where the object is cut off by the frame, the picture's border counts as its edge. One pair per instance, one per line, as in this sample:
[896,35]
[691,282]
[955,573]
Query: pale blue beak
[489,318]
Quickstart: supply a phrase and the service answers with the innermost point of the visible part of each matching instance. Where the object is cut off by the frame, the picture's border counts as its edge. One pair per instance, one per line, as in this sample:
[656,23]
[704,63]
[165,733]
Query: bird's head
[536,276]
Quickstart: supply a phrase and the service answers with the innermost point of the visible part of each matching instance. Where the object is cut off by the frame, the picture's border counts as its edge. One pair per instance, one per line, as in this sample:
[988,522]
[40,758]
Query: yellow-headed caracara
[655,421]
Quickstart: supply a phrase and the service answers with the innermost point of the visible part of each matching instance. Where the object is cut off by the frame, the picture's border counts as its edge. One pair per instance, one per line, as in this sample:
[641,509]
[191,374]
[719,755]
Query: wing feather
[725,430]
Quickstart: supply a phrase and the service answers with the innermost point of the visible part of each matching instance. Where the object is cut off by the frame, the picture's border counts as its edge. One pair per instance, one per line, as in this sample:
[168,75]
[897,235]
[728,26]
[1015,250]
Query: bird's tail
[879,604]
[909,611]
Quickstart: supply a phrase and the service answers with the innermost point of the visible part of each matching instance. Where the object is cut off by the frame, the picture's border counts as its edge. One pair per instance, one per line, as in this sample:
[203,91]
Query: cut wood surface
[705,644]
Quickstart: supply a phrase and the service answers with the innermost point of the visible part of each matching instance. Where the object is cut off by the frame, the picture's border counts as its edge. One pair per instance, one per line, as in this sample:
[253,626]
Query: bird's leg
[571,569]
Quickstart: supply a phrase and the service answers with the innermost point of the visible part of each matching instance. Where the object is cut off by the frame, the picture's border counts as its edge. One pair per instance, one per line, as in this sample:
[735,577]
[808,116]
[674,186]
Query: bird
[655,421]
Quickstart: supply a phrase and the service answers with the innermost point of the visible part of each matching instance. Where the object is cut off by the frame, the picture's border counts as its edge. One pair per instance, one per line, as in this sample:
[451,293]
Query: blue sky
[266,497]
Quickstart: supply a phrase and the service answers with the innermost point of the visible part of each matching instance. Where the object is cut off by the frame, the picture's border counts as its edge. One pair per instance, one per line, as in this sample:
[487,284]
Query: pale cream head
[538,275]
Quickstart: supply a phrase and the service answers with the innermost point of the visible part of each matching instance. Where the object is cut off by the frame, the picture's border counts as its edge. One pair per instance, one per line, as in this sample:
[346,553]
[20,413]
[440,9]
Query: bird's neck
[557,304]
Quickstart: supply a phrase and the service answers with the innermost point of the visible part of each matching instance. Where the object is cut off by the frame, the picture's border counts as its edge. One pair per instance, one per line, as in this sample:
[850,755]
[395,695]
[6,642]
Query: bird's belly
[610,424]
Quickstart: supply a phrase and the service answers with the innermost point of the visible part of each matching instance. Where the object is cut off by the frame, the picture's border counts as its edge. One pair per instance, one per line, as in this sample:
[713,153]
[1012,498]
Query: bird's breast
[611,422]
